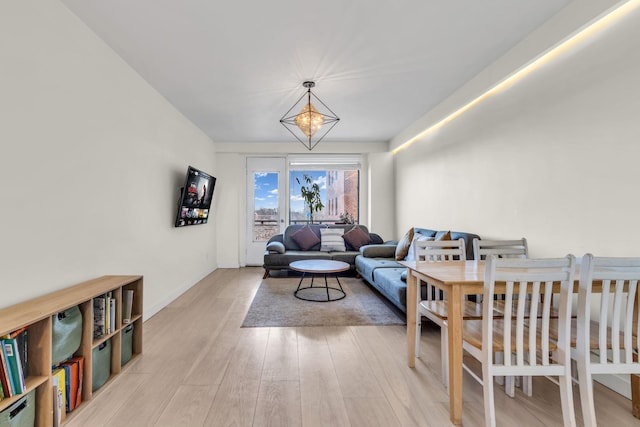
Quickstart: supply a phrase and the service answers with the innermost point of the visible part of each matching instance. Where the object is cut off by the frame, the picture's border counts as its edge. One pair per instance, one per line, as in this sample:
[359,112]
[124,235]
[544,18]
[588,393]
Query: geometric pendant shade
[309,123]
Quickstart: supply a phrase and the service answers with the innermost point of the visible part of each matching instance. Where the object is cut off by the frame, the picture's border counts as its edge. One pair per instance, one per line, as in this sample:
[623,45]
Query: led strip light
[595,27]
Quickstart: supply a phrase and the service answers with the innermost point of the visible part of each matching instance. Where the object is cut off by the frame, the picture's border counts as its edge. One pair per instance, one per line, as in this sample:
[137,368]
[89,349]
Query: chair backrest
[618,279]
[437,251]
[501,248]
[440,250]
[527,286]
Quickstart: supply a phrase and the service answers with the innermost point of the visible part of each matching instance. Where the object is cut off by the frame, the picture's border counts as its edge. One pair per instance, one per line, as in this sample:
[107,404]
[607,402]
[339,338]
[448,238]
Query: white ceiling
[235,67]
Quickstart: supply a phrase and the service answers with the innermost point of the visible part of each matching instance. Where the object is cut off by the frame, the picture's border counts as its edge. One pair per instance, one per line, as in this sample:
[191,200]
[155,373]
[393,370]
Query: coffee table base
[326,287]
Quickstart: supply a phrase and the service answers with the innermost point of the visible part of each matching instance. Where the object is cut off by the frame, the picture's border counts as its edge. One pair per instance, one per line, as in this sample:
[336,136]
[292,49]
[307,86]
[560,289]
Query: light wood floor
[200,368]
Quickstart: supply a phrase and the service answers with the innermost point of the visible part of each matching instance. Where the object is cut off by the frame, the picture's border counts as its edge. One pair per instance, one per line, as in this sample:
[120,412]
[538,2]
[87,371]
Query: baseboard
[171,297]
[236,265]
[621,384]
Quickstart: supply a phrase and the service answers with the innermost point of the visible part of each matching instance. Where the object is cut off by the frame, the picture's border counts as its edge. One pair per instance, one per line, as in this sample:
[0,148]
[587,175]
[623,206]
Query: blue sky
[266,189]
[295,197]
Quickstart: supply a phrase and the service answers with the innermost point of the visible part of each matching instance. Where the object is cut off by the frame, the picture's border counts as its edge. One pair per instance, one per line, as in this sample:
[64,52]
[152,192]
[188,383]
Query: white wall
[553,158]
[382,195]
[231,208]
[91,165]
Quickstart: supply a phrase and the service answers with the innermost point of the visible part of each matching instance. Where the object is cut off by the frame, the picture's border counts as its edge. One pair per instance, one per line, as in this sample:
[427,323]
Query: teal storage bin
[101,365]
[20,414]
[127,343]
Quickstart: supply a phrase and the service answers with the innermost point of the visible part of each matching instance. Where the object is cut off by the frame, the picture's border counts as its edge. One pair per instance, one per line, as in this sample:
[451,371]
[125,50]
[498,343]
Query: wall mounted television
[195,198]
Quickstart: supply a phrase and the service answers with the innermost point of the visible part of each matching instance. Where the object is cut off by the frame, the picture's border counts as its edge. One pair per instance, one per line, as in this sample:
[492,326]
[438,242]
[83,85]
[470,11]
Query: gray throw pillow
[356,238]
[305,238]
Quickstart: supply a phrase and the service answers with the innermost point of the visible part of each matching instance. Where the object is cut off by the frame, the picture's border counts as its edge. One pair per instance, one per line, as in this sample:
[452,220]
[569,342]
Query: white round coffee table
[316,267]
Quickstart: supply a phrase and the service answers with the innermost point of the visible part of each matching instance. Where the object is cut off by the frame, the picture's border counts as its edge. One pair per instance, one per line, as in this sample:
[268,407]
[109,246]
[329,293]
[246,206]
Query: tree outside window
[339,192]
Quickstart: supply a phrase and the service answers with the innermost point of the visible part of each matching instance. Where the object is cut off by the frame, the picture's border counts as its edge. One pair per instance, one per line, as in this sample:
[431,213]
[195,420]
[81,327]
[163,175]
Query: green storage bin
[20,414]
[127,343]
[101,364]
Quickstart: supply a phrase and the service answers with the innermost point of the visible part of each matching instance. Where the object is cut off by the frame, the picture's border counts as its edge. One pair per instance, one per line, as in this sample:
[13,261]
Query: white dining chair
[527,284]
[501,248]
[611,337]
[516,248]
[433,306]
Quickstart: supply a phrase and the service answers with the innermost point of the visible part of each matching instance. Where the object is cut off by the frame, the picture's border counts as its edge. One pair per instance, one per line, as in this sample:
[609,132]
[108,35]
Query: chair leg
[444,355]
[266,273]
[510,381]
[499,360]
[487,390]
[585,382]
[527,386]
[566,398]
[418,333]
[510,386]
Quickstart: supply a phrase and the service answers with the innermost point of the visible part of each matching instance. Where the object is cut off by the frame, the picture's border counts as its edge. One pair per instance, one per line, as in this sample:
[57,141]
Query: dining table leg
[454,308]
[412,285]
[635,379]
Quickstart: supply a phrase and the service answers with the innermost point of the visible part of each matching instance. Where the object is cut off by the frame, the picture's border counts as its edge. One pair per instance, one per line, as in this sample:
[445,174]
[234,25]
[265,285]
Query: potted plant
[311,194]
[346,218]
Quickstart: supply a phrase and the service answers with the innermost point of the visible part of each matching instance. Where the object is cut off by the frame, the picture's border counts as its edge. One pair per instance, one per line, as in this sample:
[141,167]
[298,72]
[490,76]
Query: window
[265,204]
[339,182]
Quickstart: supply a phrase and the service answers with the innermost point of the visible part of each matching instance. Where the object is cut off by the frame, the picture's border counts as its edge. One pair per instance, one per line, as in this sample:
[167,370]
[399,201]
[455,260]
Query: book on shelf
[112,315]
[107,313]
[73,382]
[99,306]
[22,340]
[21,336]
[14,366]
[5,382]
[59,392]
[56,400]
[127,305]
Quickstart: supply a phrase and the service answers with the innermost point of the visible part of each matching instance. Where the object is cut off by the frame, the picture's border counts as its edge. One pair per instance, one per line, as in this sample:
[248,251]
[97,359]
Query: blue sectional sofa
[378,266]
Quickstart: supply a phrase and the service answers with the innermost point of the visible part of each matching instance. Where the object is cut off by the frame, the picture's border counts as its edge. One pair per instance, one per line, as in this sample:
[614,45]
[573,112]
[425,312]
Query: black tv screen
[195,200]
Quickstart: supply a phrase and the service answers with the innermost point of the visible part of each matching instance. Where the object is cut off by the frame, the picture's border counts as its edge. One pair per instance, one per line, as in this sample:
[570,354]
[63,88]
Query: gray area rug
[275,305]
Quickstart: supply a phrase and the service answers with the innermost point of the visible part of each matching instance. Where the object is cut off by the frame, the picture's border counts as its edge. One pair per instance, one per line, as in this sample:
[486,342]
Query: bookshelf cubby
[36,314]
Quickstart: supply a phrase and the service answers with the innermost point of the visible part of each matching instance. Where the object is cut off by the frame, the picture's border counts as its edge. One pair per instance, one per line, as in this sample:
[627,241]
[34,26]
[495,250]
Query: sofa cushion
[388,282]
[348,256]
[275,247]
[278,261]
[378,251]
[403,245]
[331,240]
[305,238]
[367,267]
[443,235]
[356,238]
[411,254]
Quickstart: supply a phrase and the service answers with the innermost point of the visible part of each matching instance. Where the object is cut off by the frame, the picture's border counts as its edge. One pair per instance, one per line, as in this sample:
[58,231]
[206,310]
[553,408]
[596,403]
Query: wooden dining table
[457,279]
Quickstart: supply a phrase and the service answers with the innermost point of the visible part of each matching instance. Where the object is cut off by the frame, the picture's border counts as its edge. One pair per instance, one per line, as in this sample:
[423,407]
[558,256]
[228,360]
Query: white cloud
[274,191]
[322,182]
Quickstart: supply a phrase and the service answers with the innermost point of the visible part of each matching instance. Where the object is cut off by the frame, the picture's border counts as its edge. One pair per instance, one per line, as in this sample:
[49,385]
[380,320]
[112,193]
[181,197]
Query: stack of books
[67,387]
[13,363]
[104,315]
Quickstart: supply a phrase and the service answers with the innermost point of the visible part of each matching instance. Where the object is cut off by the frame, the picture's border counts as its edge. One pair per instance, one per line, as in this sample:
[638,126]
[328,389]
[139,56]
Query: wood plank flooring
[200,368]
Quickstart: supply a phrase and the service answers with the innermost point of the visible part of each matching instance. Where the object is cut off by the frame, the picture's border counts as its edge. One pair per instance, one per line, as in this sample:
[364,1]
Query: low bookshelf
[36,315]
